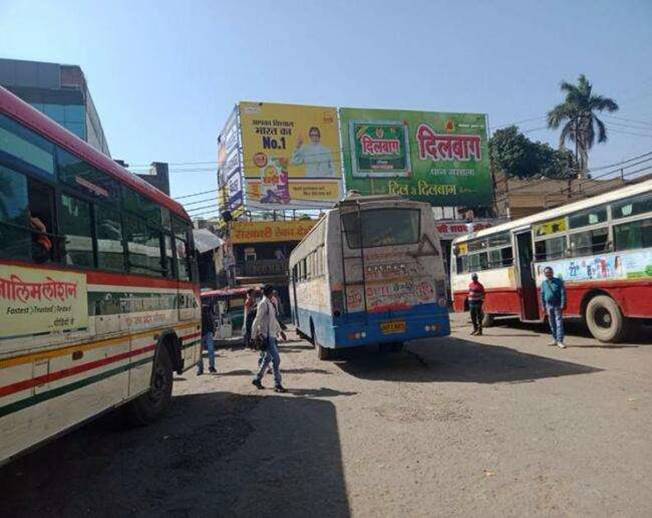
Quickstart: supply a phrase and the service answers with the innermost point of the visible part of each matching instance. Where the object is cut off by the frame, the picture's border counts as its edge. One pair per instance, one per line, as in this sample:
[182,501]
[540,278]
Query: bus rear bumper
[381,328]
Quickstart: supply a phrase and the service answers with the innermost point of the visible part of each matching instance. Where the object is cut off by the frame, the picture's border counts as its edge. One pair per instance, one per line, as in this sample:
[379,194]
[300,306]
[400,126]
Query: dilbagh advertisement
[440,158]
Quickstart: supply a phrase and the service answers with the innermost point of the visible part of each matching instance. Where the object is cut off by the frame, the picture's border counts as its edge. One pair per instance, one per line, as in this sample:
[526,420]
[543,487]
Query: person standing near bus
[476,299]
[553,299]
[207,332]
[249,314]
[266,325]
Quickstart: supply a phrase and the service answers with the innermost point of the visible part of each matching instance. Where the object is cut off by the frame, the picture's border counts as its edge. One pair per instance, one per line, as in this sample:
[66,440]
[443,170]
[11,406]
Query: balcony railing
[261,267]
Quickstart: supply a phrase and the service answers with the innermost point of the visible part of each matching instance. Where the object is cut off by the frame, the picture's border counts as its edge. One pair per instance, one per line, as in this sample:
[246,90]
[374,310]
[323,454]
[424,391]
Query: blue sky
[165,74]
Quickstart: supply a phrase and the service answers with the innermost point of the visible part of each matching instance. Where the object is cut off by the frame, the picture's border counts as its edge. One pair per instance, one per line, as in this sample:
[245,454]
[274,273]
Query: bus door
[528,287]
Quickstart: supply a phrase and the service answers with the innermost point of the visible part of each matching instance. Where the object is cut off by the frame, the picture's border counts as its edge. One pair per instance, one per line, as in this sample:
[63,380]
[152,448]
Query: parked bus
[369,272]
[601,247]
[98,299]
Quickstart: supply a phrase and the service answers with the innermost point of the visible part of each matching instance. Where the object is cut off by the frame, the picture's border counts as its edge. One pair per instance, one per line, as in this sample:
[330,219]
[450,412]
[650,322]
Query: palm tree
[580,122]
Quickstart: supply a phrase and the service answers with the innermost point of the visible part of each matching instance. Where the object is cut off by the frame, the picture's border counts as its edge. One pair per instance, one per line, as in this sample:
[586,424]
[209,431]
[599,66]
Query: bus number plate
[389,328]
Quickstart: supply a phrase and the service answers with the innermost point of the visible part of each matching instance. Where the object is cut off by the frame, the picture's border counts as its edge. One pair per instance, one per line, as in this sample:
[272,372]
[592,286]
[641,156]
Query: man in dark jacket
[207,332]
[476,299]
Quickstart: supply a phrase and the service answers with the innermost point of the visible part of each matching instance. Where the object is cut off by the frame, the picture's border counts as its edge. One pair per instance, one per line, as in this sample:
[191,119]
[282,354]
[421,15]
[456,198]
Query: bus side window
[76,235]
[108,230]
[15,234]
[633,235]
[41,221]
[552,248]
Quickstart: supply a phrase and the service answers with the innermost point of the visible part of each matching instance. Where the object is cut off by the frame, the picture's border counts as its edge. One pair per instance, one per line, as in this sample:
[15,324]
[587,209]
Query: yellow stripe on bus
[28,358]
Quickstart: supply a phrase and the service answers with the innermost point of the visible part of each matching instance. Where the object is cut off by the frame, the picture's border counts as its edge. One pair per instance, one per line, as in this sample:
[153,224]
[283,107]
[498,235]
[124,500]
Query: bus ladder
[360,257]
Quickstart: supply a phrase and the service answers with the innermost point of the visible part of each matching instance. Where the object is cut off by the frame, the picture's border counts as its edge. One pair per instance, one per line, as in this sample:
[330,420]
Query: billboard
[41,301]
[440,158]
[243,232]
[229,168]
[291,155]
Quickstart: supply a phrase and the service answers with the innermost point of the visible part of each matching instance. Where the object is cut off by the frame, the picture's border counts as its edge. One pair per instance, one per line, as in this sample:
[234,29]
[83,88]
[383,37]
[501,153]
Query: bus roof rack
[353,198]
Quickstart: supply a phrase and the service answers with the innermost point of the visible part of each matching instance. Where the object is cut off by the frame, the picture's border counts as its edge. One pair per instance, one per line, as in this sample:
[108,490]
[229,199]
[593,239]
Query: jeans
[556,322]
[476,315]
[271,355]
[207,341]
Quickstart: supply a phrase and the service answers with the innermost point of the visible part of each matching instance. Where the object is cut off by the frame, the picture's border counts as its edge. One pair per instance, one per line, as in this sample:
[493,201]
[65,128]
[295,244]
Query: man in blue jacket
[553,298]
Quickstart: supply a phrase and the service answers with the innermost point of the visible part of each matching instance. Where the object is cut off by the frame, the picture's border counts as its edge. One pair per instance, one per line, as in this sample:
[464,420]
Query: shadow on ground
[454,359]
[214,454]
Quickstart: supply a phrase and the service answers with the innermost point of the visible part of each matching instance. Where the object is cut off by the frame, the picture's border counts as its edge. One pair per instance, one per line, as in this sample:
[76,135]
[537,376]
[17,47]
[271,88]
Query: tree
[580,124]
[516,155]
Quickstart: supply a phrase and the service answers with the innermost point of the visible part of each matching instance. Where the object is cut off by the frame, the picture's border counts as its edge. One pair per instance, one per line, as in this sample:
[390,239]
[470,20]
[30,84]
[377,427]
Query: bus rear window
[382,227]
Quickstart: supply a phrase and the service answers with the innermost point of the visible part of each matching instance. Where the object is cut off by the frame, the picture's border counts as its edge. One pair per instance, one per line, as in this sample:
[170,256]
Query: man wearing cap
[266,325]
[476,298]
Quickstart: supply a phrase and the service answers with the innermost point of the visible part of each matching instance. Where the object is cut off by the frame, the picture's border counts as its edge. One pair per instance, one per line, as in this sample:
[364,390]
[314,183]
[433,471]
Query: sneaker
[212,370]
[554,342]
[474,332]
[200,373]
[256,383]
[280,388]
[561,345]
[479,333]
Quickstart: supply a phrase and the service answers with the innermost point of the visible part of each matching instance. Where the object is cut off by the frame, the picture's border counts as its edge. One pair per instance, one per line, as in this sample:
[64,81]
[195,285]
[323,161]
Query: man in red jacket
[476,298]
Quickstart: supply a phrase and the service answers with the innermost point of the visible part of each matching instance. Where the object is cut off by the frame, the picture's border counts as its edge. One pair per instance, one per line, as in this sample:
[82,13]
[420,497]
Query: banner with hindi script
[36,301]
[291,155]
[440,158]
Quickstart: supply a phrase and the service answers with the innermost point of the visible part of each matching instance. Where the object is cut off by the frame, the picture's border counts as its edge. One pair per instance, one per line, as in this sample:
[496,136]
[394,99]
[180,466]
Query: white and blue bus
[369,272]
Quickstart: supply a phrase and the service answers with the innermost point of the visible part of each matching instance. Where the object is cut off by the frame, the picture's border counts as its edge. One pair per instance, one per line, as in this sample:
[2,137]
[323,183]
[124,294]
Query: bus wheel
[151,405]
[605,320]
[487,320]
[323,353]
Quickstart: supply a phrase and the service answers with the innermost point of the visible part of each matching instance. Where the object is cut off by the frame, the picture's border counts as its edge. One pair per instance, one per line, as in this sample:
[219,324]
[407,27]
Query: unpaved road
[500,425]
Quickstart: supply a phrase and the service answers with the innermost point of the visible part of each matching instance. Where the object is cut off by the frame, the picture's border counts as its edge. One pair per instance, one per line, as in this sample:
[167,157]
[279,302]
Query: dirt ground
[498,425]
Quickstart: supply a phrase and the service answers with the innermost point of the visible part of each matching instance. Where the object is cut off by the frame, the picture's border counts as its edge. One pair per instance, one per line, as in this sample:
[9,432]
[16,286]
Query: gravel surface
[498,425]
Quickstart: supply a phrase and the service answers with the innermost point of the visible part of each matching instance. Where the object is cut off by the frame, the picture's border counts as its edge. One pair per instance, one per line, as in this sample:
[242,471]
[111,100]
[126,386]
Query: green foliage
[576,116]
[516,155]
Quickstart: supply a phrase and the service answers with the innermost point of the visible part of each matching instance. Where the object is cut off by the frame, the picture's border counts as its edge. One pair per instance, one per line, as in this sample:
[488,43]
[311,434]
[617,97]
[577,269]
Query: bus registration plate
[390,328]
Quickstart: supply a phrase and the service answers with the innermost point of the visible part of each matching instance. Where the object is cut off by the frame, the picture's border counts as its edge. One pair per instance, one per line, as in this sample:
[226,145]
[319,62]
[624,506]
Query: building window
[25,145]
[75,230]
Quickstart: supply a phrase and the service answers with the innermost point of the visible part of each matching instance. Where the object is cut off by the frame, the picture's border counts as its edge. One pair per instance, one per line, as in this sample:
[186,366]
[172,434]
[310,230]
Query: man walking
[266,326]
[207,332]
[553,299]
[476,299]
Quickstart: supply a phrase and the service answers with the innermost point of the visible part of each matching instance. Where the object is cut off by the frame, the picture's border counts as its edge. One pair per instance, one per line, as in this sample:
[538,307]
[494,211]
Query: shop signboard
[243,232]
[291,155]
[440,158]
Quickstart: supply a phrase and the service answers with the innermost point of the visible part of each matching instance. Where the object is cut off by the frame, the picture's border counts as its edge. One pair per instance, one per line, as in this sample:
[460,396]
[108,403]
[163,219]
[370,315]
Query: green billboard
[440,158]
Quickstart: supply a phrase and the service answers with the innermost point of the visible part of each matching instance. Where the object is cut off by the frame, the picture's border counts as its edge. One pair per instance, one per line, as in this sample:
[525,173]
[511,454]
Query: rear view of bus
[383,278]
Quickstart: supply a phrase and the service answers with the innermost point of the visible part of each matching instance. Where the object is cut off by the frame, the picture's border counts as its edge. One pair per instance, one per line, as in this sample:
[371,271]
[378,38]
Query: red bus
[99,300]
[601,247]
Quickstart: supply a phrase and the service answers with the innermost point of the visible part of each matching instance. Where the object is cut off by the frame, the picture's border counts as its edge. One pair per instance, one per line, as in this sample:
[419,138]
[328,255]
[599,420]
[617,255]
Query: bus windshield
[382,227]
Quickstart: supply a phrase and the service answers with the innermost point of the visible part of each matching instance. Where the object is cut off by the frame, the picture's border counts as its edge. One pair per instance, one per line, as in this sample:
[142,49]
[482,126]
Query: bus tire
[323,353]
[605,320]
[148,407]
[487,320]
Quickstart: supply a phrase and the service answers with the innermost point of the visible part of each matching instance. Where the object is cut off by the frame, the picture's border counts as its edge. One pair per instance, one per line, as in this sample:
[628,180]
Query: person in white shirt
[317,158]
[266,325]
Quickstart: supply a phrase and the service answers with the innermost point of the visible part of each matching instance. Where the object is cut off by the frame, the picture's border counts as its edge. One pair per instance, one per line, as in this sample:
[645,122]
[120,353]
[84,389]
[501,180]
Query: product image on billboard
[439,158]
[382,149]
[291,155]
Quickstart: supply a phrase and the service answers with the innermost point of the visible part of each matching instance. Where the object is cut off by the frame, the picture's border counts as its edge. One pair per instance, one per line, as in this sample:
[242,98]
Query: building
[60,92]
[517,198]
[157,175]
[260,252]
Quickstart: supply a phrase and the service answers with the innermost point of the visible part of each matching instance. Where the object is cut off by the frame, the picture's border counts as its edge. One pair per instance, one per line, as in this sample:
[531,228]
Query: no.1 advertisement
[291,155]
[440,158]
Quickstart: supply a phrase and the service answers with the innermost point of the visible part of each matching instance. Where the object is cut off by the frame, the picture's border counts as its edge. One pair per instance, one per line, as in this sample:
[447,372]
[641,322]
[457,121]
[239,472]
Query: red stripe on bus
[54,376]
